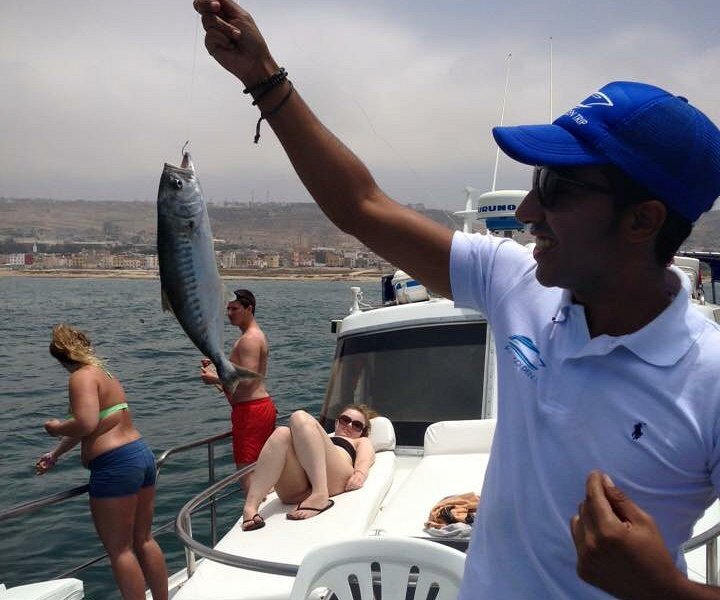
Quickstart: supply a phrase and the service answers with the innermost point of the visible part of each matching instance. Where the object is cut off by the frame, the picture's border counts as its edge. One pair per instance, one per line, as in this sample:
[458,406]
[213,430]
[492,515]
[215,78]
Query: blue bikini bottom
[122,471]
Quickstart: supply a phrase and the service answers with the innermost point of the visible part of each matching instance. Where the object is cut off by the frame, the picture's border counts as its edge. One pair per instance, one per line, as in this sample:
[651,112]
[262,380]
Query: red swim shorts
[252,423]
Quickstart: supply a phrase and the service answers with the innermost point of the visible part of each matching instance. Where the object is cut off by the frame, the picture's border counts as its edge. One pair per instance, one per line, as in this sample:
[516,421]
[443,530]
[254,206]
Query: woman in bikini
[307,466]
[122,467]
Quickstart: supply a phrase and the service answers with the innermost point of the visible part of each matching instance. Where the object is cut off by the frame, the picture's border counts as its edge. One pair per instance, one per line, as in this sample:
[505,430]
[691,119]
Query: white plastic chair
[396,563]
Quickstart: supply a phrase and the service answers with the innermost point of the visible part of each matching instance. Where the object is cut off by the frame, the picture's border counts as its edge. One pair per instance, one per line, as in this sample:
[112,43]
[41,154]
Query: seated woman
[307,466]
[122,467]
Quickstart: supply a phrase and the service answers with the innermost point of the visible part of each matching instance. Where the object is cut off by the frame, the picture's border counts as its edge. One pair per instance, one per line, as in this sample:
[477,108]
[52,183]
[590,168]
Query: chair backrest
[392,564]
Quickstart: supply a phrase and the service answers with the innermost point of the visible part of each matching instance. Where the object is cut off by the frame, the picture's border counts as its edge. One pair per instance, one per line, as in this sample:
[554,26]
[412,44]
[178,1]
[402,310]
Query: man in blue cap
[622,389]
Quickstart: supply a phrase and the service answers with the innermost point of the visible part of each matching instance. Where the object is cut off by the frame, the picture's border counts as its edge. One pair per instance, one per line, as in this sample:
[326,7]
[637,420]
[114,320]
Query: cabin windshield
[413,376]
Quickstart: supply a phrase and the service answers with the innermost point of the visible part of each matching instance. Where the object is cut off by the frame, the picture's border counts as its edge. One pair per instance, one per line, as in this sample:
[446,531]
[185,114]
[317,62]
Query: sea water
[159,368]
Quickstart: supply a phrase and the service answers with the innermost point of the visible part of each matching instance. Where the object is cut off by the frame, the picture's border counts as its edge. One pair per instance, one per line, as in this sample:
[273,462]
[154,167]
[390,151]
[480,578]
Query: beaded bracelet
[267,83]
[272,112]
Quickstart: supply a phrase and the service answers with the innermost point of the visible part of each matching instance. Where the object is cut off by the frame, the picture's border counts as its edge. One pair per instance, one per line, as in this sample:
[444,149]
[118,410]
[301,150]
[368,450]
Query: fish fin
[166,306]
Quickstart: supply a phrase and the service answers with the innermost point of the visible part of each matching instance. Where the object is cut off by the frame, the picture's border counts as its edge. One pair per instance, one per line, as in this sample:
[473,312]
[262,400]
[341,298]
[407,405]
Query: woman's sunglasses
[545,181]
[356,425]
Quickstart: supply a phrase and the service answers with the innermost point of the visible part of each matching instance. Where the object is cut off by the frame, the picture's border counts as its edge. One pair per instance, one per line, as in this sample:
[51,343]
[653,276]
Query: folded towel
[459,508]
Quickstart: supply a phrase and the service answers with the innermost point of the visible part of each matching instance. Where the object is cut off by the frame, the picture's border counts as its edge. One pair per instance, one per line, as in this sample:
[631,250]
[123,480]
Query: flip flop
[329,505]
[256,524]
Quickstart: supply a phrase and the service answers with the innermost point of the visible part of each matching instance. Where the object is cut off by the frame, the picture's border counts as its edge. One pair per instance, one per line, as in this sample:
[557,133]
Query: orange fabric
[453,509]
[252,423]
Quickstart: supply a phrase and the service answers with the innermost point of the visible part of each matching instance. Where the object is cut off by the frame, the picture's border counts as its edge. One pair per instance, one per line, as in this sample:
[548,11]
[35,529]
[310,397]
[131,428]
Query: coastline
[317,274]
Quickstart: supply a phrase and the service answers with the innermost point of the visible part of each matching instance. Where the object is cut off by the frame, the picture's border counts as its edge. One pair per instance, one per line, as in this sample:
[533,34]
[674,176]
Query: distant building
[16,259]
[52,261]
[80,261]
[272,261]
[228,260]
[328,257]
[128,261]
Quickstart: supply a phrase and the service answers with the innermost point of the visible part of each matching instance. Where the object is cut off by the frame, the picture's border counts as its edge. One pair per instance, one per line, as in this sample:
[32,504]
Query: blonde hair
[70,345]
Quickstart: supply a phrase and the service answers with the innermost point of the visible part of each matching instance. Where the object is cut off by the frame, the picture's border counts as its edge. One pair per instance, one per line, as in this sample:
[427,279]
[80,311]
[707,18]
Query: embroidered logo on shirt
[638,432]
[525,354]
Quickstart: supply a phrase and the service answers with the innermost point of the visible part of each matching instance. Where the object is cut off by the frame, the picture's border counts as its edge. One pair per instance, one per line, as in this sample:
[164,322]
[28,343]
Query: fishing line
[191,94]
[550,79]
[348,92]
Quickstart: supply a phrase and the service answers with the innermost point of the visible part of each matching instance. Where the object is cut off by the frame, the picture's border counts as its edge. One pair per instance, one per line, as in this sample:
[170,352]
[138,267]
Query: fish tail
[231,374]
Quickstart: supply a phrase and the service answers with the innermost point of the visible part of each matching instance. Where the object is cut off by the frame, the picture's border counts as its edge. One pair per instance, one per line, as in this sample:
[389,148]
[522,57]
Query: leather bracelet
[269,82]
[272,112]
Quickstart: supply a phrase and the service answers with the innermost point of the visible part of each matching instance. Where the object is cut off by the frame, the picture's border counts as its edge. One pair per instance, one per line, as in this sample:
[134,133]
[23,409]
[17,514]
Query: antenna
[502,117]
[495,208]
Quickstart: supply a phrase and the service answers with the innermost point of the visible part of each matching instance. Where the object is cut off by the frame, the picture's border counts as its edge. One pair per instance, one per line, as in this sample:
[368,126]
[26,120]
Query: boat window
[413,376]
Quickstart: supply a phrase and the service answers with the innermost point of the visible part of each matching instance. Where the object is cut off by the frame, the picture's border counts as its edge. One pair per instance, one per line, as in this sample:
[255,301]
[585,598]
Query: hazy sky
[96,96]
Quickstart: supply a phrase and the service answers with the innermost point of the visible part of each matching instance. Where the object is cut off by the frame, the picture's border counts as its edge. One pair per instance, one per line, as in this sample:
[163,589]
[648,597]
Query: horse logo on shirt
[638,430]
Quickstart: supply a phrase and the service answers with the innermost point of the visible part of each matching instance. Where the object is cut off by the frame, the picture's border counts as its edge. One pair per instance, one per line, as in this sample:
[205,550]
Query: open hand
[45,463]
[619,547]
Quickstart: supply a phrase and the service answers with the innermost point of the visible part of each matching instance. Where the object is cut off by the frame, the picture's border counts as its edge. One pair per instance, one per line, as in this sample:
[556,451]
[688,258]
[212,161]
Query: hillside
[259,225]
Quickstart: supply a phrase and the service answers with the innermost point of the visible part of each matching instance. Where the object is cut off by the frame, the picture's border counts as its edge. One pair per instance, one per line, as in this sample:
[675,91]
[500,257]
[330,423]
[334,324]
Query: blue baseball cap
[658,139]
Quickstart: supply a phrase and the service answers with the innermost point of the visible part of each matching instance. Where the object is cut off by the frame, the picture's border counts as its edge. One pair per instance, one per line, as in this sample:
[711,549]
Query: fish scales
[190,281]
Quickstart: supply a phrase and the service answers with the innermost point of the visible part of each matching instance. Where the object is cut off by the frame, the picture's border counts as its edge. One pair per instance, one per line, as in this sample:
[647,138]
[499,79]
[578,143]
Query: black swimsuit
[345,445]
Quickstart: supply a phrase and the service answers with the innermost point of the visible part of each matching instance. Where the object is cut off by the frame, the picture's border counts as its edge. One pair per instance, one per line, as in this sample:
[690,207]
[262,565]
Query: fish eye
[177,183]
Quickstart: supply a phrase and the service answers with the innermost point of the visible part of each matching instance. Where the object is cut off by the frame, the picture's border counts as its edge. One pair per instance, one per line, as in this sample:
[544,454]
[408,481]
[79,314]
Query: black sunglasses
[545,180]
[356,425]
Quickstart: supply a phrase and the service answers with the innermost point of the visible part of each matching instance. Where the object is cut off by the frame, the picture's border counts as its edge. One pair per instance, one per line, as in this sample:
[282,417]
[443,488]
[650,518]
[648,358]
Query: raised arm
[337,180]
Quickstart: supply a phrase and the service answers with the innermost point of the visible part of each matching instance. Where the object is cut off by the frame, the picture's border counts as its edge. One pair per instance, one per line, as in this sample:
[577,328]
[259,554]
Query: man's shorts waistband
[252,402]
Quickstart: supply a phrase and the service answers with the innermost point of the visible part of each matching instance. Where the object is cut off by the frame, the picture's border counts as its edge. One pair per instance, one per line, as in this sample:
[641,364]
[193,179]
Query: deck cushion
[459,437]
[58,589]
[382,434]
[455,458]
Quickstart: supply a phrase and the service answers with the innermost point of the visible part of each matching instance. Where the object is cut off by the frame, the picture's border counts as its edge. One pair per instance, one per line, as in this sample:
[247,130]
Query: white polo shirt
[644,408]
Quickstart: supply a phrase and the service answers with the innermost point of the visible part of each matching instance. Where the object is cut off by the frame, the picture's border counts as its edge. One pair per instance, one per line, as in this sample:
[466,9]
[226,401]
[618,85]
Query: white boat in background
[429,369]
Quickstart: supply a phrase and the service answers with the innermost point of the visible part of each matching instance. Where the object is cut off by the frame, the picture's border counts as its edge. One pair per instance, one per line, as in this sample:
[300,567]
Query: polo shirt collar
[662,342]
[564,307]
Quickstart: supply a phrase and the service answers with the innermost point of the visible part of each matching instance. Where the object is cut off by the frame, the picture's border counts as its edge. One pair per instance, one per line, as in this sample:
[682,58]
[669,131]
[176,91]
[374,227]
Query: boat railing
[210,502]
[709,540]
[183,528]
[210,497]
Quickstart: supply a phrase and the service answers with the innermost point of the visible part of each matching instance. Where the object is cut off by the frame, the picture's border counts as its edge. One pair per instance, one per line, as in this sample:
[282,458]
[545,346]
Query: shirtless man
[253,411]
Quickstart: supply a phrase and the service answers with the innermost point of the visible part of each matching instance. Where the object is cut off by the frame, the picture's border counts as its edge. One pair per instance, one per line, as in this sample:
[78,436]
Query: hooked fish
[191,286]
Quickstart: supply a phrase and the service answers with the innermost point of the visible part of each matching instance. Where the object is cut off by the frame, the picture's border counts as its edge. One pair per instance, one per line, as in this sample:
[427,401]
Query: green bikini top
[112,409]
[106,412]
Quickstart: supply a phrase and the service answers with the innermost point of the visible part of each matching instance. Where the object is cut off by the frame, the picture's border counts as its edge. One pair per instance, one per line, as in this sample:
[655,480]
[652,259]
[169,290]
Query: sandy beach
[279,274]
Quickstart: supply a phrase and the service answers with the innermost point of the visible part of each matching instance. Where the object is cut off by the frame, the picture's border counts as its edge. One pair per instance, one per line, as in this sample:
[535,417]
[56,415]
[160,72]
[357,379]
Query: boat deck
[402,487]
